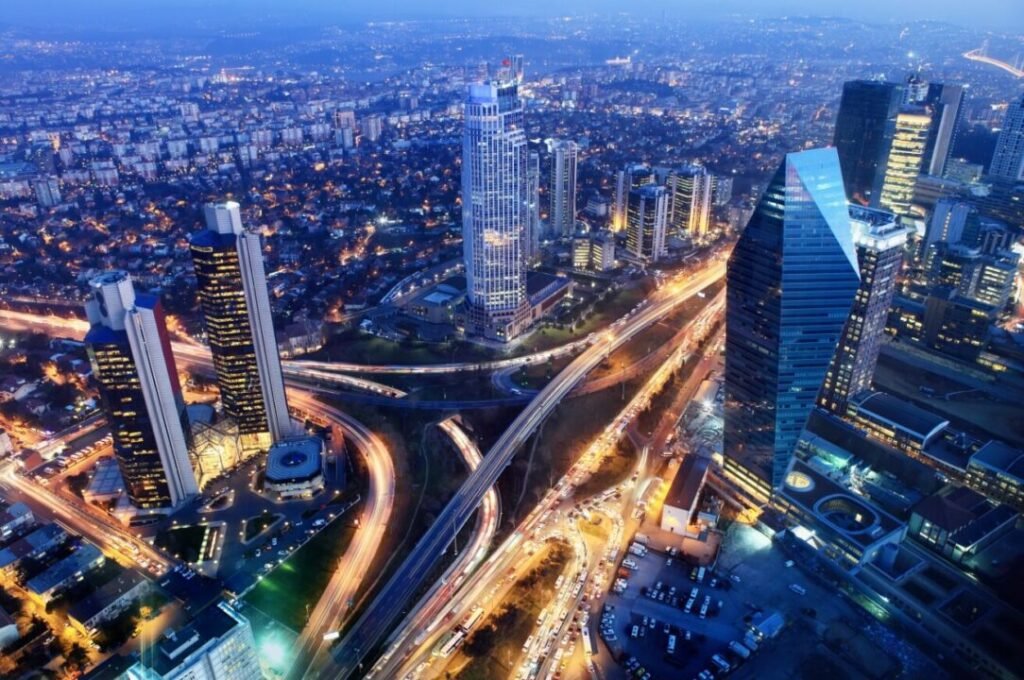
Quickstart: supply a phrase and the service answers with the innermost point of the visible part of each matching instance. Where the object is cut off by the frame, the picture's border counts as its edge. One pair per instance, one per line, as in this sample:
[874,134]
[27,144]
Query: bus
[472,619]
[449,643]
[588,644]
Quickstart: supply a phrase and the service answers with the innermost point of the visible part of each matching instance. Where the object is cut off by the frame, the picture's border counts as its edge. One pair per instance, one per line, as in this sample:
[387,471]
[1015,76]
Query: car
[797,588]
[282,553]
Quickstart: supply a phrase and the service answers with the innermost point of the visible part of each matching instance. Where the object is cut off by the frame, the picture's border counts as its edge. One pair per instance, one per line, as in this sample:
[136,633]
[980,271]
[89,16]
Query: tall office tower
[646,222]
[627,179]
[494,215]
[562,215]
[945,105]
[906,156]
[533,226]
[232,289]
[864,130]
[879,239]
[691,190]
[791,281]
[218,644]
[1008,158]
[132,361]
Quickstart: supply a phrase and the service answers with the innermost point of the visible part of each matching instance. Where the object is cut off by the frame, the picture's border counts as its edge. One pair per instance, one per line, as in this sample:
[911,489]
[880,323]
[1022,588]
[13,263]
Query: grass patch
[300,579]
[254,526]
[183,542]
[501,635]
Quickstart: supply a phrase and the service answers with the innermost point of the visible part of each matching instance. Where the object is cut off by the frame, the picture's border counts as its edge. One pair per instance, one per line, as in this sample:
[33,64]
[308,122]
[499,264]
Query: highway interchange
[337,602]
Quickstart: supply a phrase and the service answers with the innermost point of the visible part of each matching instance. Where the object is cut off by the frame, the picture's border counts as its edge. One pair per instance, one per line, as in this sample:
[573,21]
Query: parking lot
[752,580]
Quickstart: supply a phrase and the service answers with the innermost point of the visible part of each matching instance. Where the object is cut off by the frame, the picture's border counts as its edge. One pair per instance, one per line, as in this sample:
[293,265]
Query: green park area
[298,582]
[493,649]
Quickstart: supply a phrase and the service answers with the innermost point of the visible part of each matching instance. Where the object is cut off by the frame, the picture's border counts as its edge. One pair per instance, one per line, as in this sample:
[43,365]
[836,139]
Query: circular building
[295,467]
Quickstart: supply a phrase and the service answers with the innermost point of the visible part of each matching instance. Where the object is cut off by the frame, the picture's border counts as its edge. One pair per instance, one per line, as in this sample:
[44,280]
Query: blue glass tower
[792,278]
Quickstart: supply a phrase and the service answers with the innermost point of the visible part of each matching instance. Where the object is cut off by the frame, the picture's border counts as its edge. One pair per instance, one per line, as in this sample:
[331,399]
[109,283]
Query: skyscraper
[533,207]
[691,192]
[864,131]
[944,103]
[494,210]
[562,214]
[232,289]
[646,221]
[1008,158]
[132,361]
[791,282]
[627,179]
[879,238]
[906,156]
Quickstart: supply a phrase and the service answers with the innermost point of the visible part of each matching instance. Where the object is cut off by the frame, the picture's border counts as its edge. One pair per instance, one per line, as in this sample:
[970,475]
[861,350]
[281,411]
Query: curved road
[427,612]
[373,625]
[339,595]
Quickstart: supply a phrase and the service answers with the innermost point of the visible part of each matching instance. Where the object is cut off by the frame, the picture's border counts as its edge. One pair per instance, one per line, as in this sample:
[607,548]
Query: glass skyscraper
[791,282]
[863,136]
[495,204]
[1008,158]
[131,358]
[880,239]
[232,289]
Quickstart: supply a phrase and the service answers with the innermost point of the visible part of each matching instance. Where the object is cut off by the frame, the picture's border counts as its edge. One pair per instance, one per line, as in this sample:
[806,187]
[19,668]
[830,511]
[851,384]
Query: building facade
[791,281]
[494,210]
[879,238]
[1008,157]
[691,194]
[562,212]
[232,290]
[905,159]
[646,223]
[217,645]
[864,132]
[132,361]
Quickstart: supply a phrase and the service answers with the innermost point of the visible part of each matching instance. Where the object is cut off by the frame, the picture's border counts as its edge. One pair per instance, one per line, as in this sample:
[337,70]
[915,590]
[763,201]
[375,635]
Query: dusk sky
[1004,15]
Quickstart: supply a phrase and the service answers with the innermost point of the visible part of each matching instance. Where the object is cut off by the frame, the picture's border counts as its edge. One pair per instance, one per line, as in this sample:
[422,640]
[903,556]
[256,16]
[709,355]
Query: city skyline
[534,342]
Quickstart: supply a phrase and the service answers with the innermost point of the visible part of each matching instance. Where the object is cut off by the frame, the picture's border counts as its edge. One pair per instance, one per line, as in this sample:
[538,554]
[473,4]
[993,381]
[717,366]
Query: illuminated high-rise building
[494,210]
[562,193]
[1008,158]
[629,178]
[880,239]
[232,290]
[791,281]
[691,194]
[131,358]
[906,156]
[646,222]
[864,132]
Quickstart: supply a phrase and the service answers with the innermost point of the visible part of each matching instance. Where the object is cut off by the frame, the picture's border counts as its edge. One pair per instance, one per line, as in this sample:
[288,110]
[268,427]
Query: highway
[72,326]
[339,595]
[551,518]
[372,626]
[427,612]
